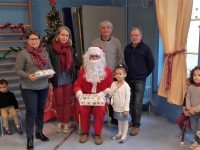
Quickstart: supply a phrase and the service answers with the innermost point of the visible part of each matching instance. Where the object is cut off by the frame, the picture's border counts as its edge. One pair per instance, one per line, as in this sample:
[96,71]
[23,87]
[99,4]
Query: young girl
[193,104]
[184,118]
[120,92]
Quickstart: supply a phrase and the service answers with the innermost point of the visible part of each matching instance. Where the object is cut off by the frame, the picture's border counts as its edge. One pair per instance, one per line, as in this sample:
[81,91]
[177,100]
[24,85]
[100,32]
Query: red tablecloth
[50,111]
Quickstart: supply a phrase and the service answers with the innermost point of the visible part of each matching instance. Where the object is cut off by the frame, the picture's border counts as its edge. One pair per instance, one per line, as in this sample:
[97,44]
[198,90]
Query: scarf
[63,49]
[197,84]
[37,57]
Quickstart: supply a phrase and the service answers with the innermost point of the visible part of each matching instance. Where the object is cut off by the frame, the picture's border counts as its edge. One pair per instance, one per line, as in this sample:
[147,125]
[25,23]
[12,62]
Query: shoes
[59,127]
[98,140]
[116,137]
[130,124]
[134,131]
[19,130]
[122,140]
[40,135]
[194,145]
[30,143]
[83,138]
[65,128]
[8,131]
[197,147]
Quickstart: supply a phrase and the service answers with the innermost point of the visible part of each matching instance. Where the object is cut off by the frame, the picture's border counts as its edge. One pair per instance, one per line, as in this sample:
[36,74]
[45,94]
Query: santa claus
[94,77]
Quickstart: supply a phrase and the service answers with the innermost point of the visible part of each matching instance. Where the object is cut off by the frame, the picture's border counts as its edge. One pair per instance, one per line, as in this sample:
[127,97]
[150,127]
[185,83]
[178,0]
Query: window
[193,38]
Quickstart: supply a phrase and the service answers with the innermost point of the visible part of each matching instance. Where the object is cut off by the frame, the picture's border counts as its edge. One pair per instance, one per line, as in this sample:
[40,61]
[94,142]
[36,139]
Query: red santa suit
[98,111]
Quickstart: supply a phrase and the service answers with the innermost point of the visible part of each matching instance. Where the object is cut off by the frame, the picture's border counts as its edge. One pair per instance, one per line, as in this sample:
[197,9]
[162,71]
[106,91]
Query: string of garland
[9,51]
[20,26]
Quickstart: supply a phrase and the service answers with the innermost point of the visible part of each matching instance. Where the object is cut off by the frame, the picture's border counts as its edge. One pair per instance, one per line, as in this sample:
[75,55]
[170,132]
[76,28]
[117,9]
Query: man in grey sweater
[112,48]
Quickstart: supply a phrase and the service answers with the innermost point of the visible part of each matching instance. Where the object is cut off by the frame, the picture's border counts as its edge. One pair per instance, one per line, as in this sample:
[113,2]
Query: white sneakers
[59,127]
[62,127]
[65,128]
[194,146]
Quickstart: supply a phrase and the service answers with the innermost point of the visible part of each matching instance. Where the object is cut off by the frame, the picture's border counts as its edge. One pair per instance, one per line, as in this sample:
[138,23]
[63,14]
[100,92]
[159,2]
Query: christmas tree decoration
[53,23]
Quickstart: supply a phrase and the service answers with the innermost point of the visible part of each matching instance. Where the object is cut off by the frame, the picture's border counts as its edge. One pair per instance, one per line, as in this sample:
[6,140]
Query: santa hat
[94,50]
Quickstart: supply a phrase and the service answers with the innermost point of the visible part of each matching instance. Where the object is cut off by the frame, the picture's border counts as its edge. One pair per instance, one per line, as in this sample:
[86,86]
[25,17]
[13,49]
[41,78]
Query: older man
[113,50]
[94,77]
[140,62]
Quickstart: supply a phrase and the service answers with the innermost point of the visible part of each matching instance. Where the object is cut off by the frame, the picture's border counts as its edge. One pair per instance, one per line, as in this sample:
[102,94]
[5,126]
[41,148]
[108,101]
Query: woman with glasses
[63,58]
[33,90]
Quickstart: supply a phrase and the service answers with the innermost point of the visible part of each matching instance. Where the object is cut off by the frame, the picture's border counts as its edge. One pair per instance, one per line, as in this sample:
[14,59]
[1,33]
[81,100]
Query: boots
[30,143]
[41,136]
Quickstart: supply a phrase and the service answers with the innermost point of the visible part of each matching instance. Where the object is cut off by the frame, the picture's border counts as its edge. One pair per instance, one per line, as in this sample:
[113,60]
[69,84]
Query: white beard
[95,71]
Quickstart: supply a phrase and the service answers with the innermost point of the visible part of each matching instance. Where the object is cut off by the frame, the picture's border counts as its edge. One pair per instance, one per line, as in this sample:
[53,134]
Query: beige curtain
[173,20]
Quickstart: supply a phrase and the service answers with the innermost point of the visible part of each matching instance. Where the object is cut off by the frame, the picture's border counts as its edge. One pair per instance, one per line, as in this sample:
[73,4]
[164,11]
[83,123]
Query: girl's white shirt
[120,96]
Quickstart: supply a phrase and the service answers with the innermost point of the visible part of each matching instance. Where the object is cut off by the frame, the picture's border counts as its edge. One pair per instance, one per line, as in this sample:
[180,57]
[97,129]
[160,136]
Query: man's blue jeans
[137,93]
[35,101]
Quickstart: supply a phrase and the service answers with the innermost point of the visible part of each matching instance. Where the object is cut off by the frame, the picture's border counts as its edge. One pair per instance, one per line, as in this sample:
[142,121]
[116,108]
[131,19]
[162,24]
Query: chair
[183,132]
[108,123]
[1,122]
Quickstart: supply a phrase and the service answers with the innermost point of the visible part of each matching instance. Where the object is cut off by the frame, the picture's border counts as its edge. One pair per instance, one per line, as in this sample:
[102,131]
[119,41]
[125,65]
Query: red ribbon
[52,2]
[169,66]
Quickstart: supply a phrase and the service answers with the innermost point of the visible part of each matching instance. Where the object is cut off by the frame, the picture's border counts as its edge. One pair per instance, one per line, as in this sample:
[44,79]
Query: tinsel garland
[14,28]
[9,51]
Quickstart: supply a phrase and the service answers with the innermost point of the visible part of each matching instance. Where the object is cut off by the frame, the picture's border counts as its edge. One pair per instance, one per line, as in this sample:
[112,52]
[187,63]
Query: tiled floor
[156,133]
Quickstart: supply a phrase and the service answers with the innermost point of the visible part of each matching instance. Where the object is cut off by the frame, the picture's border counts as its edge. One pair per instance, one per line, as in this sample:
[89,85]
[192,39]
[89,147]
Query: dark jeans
[137,93]
[35,101]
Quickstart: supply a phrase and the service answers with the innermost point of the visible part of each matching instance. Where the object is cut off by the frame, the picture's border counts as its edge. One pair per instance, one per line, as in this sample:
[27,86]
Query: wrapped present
[92,100]
[44,73]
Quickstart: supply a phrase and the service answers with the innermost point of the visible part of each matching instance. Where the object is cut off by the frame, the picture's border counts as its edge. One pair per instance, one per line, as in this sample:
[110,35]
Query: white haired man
[113,51]
[94,77]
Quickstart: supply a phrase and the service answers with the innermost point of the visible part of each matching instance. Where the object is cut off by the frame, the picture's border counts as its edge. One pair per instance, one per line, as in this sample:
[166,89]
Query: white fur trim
[79,93]
[95,51]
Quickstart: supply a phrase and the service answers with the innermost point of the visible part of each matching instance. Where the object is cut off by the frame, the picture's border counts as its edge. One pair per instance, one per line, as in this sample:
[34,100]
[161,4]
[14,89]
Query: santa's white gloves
[79,95]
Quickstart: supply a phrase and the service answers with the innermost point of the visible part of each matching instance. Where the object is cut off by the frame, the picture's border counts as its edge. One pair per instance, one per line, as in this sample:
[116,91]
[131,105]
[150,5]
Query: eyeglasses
[94,56]
[135,35]
[34,39]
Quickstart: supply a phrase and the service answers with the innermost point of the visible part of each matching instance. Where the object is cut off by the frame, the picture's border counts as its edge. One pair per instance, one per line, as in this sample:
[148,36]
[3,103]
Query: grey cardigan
[25,66]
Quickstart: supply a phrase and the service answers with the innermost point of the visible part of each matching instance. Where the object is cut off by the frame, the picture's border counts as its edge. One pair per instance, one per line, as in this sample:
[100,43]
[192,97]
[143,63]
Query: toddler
[193,105]
[8,106]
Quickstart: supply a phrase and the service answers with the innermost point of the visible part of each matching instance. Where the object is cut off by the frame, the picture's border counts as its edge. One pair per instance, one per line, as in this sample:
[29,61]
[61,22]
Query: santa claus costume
[94,77]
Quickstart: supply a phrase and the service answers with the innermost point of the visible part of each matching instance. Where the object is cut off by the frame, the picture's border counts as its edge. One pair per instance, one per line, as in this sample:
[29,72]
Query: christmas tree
[53,23]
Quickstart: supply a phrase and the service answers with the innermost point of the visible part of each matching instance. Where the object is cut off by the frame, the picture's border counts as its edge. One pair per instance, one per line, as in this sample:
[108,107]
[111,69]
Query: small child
[8,106]
[193,105]
[120,92]
[184,118]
